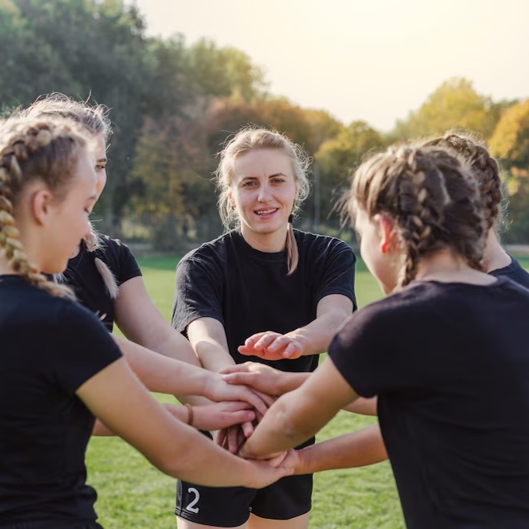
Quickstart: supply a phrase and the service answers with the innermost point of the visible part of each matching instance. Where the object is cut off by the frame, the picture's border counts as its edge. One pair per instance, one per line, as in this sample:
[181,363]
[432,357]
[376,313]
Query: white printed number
[191,507]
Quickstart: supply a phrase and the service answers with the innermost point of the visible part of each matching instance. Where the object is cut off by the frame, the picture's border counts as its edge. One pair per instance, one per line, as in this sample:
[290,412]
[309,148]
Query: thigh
[300,522]
[212,506]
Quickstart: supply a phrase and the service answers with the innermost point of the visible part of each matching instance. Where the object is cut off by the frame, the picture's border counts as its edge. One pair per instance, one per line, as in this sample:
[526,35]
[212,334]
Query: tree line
[173,104]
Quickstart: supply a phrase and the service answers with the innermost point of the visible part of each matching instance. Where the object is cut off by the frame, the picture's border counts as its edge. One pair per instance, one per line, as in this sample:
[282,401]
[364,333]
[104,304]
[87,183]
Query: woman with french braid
[445,352]
[107,280]
[485,169]
[59,367]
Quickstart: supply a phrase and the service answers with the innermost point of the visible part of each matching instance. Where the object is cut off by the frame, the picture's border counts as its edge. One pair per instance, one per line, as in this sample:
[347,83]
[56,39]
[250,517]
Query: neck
[447,267]
[4,265]
[495,256]
[265,242]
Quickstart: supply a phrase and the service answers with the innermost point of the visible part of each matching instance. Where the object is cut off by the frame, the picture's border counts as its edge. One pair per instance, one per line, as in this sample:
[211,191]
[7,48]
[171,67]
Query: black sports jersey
[450,365]
[514,272]
[83,276]
[50,347]
[249,291]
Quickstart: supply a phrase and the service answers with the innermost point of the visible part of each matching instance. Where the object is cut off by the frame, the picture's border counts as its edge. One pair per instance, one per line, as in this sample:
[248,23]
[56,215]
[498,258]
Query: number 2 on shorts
[191,507]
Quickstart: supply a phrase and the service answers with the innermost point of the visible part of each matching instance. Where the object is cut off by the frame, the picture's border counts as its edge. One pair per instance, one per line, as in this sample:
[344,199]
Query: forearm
[165,375]
[363,406]
[357,449]
[317,335]
[213,356]
[286,424]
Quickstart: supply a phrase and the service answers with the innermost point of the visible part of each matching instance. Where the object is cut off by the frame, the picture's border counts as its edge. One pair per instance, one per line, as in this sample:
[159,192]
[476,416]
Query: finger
[250,351]
[277,460]
[279,343]
[233,444]
[293,350]
[239,368]
[235,405]
[241,438]
[221,437]
[254,338]
[247,428]
[238,417]
[266,340]
[267,399]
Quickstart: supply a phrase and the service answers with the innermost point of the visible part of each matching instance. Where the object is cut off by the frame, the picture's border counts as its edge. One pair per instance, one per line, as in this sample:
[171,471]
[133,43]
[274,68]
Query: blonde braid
[27,141]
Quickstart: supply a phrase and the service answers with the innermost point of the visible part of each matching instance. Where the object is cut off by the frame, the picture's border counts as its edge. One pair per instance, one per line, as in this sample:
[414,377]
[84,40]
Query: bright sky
[363,59]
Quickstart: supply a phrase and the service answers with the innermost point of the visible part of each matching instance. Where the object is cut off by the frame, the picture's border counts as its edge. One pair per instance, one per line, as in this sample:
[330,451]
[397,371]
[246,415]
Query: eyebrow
[269,176]
[104,160]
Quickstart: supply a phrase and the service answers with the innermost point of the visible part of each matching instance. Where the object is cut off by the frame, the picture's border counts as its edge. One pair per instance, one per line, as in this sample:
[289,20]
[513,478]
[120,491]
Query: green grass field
[132,494]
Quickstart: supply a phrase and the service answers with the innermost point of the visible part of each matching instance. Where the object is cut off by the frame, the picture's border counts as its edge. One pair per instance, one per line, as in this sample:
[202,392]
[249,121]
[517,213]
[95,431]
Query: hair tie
[291,218]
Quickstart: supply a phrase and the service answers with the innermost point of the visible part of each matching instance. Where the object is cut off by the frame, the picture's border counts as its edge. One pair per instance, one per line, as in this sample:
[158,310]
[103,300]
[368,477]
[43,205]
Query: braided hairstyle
[432,198]
[95,119]
[30,150]
[250,139]
[484,168]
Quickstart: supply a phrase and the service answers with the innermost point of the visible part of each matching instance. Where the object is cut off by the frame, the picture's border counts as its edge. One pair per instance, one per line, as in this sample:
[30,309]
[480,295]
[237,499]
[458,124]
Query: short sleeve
[198,293]
[120,260]
[79,348]
[337,274]
[366,352]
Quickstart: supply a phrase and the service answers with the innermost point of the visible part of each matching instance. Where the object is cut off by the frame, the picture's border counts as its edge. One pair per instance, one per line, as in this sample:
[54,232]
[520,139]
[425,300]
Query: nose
[264,193]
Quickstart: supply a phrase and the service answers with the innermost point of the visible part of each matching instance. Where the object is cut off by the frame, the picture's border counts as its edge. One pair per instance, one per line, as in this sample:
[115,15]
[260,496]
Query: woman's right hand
[266,472]
[219,390]
[259,376]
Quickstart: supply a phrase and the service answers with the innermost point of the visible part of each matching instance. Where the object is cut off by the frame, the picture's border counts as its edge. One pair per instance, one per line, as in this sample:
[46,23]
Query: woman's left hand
[222,415]
[272,346]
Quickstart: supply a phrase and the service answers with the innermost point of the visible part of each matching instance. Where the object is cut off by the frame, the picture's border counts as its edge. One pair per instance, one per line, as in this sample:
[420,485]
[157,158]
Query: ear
[40,204]
[386,229]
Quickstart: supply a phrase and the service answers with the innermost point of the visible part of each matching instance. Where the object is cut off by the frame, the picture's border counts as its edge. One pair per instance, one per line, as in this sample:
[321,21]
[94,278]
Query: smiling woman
[264,290]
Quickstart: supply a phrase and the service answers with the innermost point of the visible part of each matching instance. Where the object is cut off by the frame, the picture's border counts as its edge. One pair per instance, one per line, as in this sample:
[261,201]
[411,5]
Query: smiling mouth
[266,211]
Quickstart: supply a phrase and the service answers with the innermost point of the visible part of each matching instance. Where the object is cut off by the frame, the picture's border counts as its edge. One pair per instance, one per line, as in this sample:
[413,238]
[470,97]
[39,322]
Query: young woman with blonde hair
[107,280]
[262,289]
[59,366]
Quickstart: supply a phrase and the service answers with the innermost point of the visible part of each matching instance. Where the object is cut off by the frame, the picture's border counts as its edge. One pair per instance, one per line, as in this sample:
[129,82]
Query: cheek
[101,180]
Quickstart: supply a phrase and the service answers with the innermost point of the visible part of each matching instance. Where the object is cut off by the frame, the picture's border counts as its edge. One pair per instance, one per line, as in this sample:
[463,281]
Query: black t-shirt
[50,347]
[450,366]
[514,272]
[249,291]
[83,276]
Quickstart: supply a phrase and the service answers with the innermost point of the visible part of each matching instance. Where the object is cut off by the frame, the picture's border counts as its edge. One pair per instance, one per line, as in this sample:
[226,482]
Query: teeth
[266,212]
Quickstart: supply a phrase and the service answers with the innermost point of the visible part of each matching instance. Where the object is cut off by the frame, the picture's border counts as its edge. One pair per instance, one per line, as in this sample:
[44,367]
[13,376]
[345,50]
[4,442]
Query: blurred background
[342,78]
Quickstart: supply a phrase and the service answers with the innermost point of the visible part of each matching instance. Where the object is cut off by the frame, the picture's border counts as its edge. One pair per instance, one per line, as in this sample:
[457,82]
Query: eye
[249,183]
[100,168]
[278,180]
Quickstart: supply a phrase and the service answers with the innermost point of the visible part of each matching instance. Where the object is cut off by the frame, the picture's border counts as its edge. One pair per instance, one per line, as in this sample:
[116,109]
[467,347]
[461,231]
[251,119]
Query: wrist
[299,337]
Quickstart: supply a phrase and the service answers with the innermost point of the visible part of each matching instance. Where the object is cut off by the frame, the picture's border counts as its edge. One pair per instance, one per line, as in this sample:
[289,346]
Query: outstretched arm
[274,382]
[124,405]
[314,338]
[358,449]
[298,415]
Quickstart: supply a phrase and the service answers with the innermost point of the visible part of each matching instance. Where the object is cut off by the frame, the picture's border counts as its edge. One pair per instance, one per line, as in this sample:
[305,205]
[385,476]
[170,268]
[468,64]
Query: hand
[220,390]
[233,437]
[264,473]
[259,376]
[272,346]
[222,415]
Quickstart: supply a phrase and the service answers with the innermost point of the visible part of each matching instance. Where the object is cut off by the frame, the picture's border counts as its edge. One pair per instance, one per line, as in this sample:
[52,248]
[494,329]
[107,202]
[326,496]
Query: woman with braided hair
[485,169]
[59,367]
[107,280]
[445,352]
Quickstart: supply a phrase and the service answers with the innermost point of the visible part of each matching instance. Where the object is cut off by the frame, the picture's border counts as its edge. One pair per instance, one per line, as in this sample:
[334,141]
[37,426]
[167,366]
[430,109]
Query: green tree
[453,104]
[510,143]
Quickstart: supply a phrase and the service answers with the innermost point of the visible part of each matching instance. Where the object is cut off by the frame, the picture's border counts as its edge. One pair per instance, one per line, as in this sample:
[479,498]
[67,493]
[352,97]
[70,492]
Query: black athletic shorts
[231,506]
